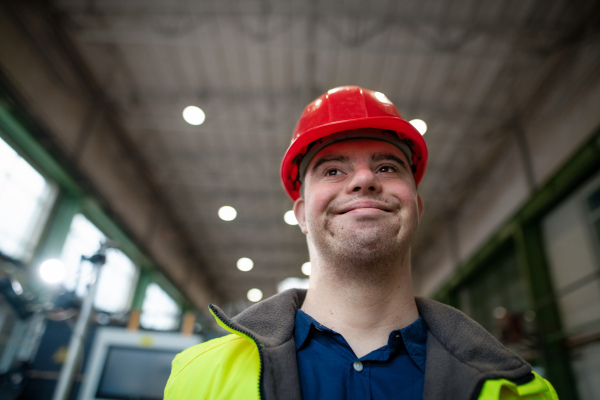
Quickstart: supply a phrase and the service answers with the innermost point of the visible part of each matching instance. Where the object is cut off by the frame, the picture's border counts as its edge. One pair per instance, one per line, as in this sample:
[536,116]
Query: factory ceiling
[474,70]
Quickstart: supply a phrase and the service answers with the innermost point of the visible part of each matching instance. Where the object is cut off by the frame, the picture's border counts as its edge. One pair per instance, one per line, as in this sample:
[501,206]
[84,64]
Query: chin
[369,241]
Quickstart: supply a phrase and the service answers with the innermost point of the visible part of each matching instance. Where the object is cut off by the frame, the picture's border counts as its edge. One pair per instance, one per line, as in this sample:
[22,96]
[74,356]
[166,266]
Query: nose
[364,180]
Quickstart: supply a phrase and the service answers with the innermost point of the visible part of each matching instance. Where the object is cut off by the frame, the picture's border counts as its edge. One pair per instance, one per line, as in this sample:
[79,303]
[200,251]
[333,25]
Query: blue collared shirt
[328,368]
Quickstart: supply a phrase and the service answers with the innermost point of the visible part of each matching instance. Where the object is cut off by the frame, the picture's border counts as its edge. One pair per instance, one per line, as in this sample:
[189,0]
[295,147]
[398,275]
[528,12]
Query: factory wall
[522,254]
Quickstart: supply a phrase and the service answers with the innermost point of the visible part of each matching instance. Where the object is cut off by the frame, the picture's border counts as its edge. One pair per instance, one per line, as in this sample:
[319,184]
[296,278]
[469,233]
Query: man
[358,332]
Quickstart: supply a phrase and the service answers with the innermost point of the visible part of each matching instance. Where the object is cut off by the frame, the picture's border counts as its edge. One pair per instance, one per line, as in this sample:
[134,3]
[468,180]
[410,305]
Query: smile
[366,206]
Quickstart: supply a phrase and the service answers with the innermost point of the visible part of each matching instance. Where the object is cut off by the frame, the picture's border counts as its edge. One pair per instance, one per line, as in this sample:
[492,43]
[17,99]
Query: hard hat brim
[289,165]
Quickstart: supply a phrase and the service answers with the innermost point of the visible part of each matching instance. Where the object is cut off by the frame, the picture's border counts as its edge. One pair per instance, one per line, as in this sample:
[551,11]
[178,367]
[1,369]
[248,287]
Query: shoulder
[463,353]
[203,351]
[194,370]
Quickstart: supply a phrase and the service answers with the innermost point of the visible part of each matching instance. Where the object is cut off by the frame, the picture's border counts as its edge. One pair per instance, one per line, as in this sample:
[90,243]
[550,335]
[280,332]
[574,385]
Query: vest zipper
[259,346]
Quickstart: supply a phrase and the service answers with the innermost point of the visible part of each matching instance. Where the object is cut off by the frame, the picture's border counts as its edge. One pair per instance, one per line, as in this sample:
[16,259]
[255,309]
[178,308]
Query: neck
[363,310]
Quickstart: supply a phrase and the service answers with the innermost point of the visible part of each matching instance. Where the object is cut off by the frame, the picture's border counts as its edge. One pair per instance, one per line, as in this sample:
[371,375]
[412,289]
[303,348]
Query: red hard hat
[342,109]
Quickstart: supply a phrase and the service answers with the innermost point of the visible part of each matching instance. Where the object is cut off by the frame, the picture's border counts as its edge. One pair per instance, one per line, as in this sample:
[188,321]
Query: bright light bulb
[53,271]
[306,268]
[255,295]
[245,264]
[419,125]
[227,213]
[290,218]
[194,115]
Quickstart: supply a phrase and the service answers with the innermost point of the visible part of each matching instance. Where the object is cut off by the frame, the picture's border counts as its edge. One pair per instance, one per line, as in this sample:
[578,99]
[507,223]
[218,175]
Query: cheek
[316,207]
[311,214]
[408,197]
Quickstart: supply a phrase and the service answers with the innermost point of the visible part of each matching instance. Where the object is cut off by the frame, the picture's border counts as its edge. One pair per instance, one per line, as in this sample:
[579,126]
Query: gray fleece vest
[461,355]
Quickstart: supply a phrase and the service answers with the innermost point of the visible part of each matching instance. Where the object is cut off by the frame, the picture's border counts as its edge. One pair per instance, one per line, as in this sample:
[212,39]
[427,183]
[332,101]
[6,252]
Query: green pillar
[555,352]
[146,277]
[55,234]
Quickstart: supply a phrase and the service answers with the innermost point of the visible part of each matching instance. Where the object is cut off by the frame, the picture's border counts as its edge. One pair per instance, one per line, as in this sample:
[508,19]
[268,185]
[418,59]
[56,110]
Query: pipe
[72,364]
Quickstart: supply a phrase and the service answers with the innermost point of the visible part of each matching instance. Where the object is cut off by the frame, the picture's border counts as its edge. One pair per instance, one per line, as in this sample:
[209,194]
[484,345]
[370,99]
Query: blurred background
[140,147]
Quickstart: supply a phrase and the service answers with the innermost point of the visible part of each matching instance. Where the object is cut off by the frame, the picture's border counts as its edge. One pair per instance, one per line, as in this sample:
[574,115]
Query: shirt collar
[304,323]
[414,336]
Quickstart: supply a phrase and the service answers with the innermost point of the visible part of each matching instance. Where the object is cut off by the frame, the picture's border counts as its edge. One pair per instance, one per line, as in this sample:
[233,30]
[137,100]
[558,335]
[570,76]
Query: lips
[364,204]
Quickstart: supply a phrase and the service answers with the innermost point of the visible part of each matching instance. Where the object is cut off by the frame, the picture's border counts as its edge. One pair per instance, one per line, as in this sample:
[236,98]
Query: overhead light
[227,213]
[255,295]
[292,283]
[290,218]
[53,271]
[245,264]
[194,115]
[306,268]
[419,125]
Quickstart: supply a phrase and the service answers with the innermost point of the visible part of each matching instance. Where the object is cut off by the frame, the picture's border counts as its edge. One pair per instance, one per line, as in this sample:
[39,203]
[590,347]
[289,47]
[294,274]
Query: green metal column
[146,277]
[555,352]
[56,231]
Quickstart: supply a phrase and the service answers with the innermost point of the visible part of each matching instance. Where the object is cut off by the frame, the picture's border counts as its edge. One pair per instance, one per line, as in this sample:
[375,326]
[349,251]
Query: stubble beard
[364,256]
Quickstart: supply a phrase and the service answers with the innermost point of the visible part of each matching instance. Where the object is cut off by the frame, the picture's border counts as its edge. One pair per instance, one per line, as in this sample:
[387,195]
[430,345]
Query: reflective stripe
[502,389]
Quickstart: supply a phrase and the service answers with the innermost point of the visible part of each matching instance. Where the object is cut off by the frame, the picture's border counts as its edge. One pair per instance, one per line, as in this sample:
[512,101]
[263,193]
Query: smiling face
[359,202]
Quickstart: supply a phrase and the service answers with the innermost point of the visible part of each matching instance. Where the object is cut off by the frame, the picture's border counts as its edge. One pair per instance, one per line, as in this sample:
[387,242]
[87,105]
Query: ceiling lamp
[227,213]
[194,115]
[245,264]
[290,218]
[306,268]
[255,295]
[419,125]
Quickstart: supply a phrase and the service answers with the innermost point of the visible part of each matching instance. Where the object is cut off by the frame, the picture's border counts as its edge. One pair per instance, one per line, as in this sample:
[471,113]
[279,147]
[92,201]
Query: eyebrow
[387,156]
[328,158]
[341,158]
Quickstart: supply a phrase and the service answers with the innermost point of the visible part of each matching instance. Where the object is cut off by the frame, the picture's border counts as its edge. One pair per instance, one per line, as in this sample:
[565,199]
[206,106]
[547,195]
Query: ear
[420,205]
[299,213]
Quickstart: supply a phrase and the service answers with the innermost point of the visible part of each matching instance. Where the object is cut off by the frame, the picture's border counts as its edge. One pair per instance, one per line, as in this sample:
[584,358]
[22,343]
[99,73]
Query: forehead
[357,148]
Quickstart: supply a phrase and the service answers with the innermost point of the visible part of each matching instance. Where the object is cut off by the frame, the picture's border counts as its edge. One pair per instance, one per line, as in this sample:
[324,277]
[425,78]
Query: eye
[388,168]
[332,172]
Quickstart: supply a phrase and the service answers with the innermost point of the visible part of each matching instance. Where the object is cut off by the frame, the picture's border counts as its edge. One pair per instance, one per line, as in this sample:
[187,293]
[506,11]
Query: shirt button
[358,366]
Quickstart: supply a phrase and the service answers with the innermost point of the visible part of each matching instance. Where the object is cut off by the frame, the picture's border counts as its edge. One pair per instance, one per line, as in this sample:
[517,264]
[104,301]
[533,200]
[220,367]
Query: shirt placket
[360,380]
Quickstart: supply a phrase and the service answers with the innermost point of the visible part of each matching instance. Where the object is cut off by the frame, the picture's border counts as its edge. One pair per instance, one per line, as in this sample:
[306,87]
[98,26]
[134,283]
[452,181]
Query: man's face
[359,196]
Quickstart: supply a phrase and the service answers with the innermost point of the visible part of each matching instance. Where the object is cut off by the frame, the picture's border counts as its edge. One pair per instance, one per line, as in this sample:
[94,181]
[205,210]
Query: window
[495,290]
[572,237]
[117,277]
[159,310]
[572,246]
[25,201]
[116,282]
[496,298]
